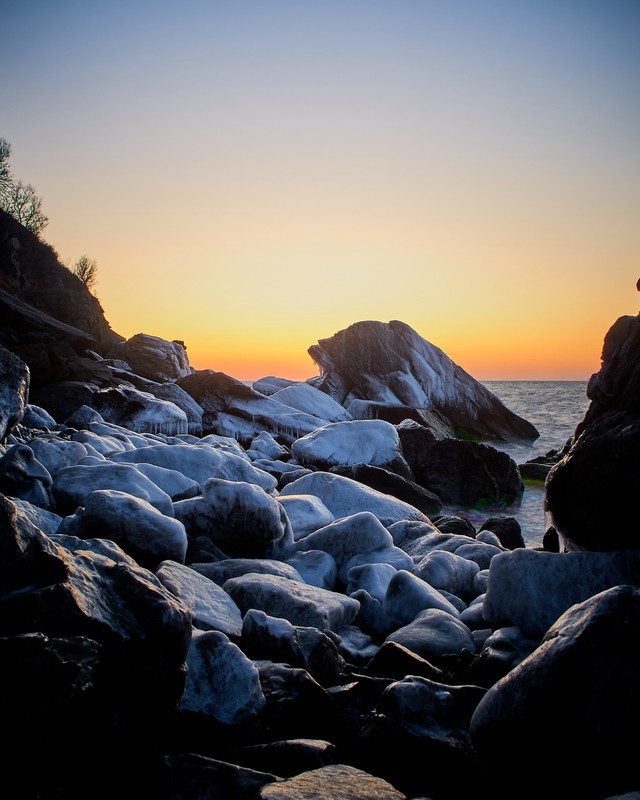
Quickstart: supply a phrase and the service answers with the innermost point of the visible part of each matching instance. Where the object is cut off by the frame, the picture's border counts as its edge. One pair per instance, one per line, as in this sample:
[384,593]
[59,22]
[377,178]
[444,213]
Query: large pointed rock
[391,363]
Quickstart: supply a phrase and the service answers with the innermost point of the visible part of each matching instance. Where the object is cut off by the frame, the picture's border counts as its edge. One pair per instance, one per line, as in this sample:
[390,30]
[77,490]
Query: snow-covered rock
[391,363]
[373,442]
[55,453]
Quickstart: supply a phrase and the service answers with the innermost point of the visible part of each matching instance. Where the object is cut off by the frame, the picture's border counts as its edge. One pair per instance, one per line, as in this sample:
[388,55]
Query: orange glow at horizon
[252,177]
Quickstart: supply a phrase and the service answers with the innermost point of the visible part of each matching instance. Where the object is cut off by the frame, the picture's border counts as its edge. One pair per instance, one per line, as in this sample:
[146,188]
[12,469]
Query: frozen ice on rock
[531,588]
[240,518]
[72,485]
[306,512]
[434,633]
[223,685]
[374,442]
[344,497]
[221,571]
[304,397]
[444,570]
[141,530]
[347,537]
[407,595]
[105,445]
[55,453]
[174,483]
[316,567]
[210,605]
[266,446]
[200,463]
[374,578]
[300,603]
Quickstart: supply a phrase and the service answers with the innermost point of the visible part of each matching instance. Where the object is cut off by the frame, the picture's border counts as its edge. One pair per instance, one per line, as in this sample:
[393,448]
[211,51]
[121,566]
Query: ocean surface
[555,408]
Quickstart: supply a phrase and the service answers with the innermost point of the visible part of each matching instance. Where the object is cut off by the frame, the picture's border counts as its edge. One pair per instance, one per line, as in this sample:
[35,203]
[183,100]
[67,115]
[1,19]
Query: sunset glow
[254,176]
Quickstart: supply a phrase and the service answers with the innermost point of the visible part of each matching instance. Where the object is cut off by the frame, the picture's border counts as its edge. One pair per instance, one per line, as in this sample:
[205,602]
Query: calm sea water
[555,408]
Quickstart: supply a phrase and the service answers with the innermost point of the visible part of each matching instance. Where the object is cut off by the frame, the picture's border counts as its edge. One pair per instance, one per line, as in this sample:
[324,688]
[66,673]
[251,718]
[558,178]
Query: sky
[252,176]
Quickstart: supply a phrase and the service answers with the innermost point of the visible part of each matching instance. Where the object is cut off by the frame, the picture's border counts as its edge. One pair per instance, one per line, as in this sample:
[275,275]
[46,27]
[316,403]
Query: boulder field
[214,590]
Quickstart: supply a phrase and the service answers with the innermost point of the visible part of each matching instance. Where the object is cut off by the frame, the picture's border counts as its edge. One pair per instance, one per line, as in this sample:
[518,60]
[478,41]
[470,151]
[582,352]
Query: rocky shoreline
[213,590]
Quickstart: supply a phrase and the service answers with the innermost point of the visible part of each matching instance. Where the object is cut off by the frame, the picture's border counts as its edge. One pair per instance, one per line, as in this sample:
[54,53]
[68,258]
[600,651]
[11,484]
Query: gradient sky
[254,175]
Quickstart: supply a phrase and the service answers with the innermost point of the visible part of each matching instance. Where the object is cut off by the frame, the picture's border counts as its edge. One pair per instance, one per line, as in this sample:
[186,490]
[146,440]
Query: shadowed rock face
[590,492]
[31,271]
[390,363]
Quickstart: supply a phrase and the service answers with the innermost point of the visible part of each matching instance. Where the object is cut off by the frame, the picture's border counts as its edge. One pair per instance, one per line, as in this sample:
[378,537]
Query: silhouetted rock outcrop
[599,478]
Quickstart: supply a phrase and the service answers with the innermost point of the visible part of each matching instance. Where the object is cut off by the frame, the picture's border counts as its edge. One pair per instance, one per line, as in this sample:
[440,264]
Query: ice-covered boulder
[449,571]
[54,453]
[391,363]
[433,634]
[172,393]
[210,605]
[200,462]
[306,512]
[14,391]
[297,602]
[72,486]
[344,496]
[373,442]
[153,358]
[223,685]
[24,477]
[140,411]
[239,518]
[407,595]
[140,529]
[231,408]
[307,398]
[348,537]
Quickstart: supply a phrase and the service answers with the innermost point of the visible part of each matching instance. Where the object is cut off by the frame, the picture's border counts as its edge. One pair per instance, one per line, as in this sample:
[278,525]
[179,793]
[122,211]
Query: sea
[555,408]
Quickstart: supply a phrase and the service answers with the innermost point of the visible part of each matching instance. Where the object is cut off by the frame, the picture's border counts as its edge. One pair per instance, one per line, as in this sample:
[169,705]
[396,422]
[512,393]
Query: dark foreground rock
[599,477]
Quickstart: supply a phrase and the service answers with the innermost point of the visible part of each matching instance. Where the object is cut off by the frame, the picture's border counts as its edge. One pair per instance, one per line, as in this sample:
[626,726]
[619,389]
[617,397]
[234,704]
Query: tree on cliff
[86,269]
[17,198]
